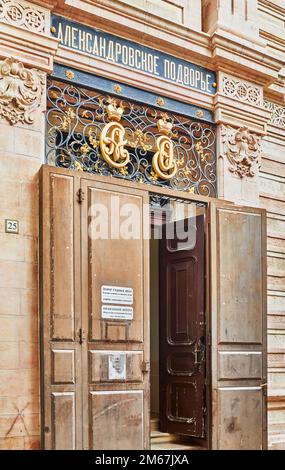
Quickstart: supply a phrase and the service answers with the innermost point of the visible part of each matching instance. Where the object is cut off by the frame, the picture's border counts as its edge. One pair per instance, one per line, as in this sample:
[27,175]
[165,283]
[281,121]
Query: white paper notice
[117,312]
[117,295]
[117,367]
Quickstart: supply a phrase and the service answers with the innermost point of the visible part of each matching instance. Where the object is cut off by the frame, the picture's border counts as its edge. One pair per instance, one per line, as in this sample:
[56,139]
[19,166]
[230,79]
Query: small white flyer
[117,366]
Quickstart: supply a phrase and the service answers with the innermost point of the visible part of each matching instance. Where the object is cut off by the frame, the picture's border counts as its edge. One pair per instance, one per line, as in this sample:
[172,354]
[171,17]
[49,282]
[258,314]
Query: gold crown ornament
[114,111]
[164,125]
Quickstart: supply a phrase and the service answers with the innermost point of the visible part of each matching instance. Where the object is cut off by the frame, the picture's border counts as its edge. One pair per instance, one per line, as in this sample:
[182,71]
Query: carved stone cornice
[21,92]
[25,34]
[241,90]
[239,103]
[26,15]
[242,149]
[231,53]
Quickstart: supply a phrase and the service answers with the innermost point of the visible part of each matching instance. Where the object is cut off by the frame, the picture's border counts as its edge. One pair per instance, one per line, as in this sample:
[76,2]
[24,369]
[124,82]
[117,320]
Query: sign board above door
[131,55]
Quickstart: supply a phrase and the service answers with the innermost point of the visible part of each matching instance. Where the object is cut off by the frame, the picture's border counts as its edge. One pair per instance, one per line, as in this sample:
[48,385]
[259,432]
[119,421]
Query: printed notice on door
[117,367]
[117,295]
[117,312]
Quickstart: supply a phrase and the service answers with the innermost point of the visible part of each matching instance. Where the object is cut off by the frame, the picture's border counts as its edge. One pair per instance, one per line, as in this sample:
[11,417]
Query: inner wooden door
[182,332]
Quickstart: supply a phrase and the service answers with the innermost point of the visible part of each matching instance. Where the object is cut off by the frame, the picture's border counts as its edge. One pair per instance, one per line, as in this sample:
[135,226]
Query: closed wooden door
[182,328]
[95,322]
[239,366]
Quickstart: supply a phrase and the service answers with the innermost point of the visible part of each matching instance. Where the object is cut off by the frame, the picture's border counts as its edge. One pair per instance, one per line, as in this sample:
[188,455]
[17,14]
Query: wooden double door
[95,356]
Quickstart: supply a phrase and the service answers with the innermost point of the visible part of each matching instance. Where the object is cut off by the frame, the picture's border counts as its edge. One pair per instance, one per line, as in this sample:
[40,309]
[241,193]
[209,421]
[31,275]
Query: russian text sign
[135,56]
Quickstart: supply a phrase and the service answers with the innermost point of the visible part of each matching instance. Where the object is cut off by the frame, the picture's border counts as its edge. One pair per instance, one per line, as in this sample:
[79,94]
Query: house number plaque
[11,226]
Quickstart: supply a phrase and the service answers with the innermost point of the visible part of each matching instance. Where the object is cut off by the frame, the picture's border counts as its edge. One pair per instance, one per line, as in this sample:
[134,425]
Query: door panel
[238,288]
[182,331]
[61,319]
[115,318]
[117,418]
[240,418]
[99,366]
[240,296]
[125,268]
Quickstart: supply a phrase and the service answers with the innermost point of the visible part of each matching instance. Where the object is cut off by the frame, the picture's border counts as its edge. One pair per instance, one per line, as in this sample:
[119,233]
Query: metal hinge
[145,367]
[80,196]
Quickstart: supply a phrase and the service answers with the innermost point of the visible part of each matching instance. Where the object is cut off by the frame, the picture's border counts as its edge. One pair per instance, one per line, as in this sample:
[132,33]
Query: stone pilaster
[242,121]
[26,56]
[25,34]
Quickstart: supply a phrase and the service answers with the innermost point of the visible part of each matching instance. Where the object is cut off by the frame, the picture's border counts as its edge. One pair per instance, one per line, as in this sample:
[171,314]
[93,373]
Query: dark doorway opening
[178,325]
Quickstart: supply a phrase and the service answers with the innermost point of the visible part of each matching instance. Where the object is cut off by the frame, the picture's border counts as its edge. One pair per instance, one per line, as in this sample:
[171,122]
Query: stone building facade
[243,41]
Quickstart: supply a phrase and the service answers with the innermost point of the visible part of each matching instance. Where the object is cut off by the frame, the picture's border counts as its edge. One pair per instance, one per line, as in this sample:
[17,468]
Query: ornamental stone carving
[24,14]
[242,150]
[278,114]
[21,92]
[241,90]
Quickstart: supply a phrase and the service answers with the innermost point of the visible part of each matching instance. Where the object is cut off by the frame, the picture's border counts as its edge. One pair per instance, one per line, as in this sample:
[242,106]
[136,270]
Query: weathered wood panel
[62,257]
[125,270]
[116,420]
[239,365]
[238,261]
[63,422]
[99,366]
[61,313]
[240,296]
[240,418]
[63,367]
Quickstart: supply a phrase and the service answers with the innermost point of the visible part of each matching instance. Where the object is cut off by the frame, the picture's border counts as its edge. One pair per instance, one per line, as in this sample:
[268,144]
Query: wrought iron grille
[77,117]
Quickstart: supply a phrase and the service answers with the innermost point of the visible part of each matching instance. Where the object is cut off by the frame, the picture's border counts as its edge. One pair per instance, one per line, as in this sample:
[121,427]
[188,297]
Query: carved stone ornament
[277,114]
[25,15]
[242,149]
[241,90]
[21,92]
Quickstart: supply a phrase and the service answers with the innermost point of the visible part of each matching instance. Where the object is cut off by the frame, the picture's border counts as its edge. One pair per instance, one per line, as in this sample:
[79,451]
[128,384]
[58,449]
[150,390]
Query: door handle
[263,385]
[81,335]
[199,352]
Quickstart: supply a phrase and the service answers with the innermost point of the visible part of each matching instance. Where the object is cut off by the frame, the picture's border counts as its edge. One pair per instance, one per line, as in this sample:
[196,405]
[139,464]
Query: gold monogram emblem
[163,161]
[112,140]
[112,145]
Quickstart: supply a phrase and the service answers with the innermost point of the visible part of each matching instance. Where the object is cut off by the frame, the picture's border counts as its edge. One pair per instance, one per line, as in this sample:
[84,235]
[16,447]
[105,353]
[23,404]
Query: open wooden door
[115,318]
[238,290]
[94,319]
[61,368]
[182,328]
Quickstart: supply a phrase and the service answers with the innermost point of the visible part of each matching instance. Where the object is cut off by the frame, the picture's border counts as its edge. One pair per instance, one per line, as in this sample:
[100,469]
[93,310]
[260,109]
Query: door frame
[152,189]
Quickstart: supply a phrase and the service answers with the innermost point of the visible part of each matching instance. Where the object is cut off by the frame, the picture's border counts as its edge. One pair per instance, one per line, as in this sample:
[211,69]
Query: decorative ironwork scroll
[90,131]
